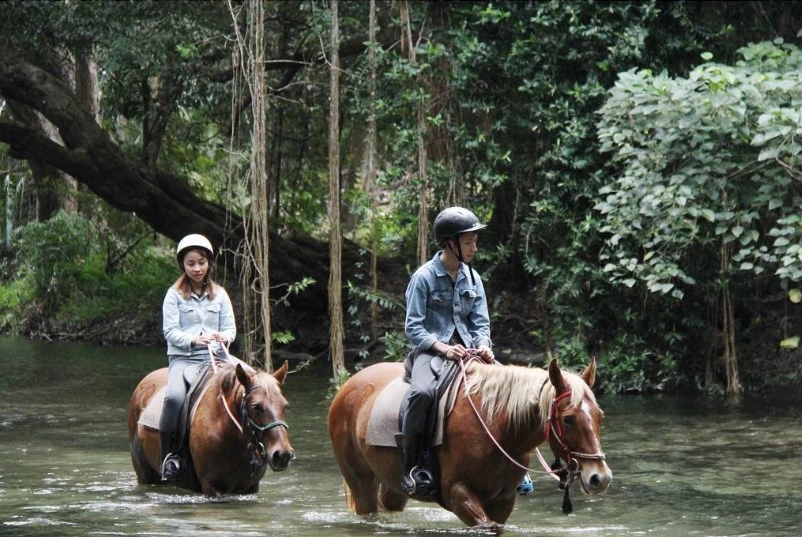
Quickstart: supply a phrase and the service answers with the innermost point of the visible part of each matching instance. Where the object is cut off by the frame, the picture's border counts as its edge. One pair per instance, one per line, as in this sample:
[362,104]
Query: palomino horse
[236,432]
[487,438]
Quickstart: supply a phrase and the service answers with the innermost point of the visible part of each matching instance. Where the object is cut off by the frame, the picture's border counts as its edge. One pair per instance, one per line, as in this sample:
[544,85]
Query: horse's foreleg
[464,503]
[500,509]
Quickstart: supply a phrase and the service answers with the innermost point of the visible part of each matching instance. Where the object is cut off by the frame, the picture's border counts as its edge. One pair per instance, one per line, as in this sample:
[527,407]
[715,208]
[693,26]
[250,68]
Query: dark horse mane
[227,378]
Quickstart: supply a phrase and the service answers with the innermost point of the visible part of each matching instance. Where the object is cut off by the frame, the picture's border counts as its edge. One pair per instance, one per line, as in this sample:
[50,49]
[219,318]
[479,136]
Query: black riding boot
[415,480]
[171,464]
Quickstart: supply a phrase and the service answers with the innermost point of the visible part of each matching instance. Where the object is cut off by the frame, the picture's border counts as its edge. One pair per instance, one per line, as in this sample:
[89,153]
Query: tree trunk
[423,192]
[336,331]
[734,388]
[257,250]
[370,178]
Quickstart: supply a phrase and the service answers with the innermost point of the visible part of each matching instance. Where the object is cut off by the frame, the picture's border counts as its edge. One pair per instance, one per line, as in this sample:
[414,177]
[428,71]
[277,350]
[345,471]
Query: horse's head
[262,413]
[574,427]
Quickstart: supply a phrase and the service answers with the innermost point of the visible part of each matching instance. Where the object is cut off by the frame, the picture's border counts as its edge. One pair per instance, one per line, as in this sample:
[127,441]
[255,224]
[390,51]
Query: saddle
[388,411]
[196,377]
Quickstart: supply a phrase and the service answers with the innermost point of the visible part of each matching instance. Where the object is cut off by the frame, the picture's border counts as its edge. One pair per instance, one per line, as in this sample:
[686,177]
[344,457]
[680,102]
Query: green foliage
[46,251]
[15,296]
[708,158]
[396,346]
[283,337]
[292,289]
[62,273]
[510,92]
[629,366]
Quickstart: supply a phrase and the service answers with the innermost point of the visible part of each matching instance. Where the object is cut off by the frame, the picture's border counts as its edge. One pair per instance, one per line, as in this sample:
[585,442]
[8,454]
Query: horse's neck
[515,436]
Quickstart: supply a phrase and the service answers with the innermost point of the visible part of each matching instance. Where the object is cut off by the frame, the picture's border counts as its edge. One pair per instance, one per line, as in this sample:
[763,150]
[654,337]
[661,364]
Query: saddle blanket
[153,412]
[383,422]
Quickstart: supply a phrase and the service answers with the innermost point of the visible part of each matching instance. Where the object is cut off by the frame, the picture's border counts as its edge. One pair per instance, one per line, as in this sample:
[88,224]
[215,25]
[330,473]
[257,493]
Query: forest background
[637,163]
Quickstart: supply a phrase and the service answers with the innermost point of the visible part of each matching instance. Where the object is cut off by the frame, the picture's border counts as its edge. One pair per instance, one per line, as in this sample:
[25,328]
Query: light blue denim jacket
[435,308]
[185,319]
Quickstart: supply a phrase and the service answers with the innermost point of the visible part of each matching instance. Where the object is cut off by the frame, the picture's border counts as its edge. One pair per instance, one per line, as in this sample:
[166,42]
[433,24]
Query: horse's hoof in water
[491,527]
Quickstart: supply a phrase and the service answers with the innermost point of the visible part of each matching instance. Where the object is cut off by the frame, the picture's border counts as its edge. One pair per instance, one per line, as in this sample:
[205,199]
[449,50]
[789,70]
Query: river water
[683,466]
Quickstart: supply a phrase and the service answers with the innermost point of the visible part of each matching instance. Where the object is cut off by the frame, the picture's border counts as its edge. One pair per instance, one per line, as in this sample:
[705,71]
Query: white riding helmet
[193,241]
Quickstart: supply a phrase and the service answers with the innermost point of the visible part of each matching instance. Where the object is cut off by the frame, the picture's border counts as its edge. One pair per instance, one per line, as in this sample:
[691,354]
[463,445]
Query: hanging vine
[250,60]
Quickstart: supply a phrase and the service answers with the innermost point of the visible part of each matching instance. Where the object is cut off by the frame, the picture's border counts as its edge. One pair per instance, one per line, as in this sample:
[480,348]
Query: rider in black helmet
[451,223]
[446,316]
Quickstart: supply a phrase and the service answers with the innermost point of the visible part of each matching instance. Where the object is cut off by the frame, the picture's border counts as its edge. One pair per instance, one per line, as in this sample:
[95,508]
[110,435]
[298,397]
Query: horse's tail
[349,497]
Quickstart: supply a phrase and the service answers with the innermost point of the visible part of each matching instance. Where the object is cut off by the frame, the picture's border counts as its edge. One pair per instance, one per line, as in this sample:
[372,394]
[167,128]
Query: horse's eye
[568,420]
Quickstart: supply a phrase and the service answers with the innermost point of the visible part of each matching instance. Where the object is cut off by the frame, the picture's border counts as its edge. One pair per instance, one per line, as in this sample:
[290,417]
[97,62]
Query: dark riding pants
[422,393]
[175,394]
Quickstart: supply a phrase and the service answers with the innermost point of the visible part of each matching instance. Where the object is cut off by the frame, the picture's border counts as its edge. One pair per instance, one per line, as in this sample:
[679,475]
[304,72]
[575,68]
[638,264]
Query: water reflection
[683,466]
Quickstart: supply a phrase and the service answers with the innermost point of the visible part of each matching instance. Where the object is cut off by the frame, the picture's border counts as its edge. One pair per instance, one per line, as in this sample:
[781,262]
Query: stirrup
[171,467]
[419,482]
[526,486]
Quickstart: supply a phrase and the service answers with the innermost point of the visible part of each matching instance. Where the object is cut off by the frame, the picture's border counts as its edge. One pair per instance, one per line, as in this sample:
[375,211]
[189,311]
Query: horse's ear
[589,374]
[281,373]
[556,377]
[243,377]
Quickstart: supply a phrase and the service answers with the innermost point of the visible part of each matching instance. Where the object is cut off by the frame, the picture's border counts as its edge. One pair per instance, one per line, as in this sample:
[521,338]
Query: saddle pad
[151,416]
[383,422]
[153,412]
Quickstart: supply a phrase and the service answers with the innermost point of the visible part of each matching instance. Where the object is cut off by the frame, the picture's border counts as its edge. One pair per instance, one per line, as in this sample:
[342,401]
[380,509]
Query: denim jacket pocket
[186,314]
[213,312]
[467,298]
[439,300]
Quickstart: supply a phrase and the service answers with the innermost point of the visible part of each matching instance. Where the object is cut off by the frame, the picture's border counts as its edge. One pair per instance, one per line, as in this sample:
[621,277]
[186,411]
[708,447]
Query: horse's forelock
[268,382]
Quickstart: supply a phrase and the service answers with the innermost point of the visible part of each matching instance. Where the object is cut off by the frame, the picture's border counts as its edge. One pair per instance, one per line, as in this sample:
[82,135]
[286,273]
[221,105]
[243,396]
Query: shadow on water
[683,467]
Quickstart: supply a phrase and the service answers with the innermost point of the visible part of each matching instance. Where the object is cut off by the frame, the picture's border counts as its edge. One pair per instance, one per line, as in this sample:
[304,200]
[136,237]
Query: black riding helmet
[450,224]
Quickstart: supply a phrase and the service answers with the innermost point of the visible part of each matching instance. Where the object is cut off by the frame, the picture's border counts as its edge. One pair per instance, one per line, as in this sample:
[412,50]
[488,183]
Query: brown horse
[237,431]
[520,407]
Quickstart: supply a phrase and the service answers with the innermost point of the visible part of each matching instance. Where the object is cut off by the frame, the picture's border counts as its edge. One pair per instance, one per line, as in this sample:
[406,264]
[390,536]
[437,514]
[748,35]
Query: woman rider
[197,317]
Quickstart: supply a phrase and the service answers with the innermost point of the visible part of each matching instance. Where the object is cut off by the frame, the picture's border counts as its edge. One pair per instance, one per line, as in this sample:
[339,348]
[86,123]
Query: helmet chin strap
[458,254]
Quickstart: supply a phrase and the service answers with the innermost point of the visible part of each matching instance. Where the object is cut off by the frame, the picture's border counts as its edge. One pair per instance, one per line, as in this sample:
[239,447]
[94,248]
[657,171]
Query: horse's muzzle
[595,479]
[280,459]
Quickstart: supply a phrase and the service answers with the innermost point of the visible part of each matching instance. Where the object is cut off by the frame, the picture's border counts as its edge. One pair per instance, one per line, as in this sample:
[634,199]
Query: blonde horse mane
[514,390]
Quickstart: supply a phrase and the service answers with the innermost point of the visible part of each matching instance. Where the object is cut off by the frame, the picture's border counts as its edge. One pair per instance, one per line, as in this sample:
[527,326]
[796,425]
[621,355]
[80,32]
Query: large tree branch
[162,200]
[91,157]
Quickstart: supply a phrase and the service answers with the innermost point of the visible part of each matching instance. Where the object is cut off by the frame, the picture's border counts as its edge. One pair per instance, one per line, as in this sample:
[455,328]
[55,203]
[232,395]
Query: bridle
[248,427]
[554,425]
[567,474]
